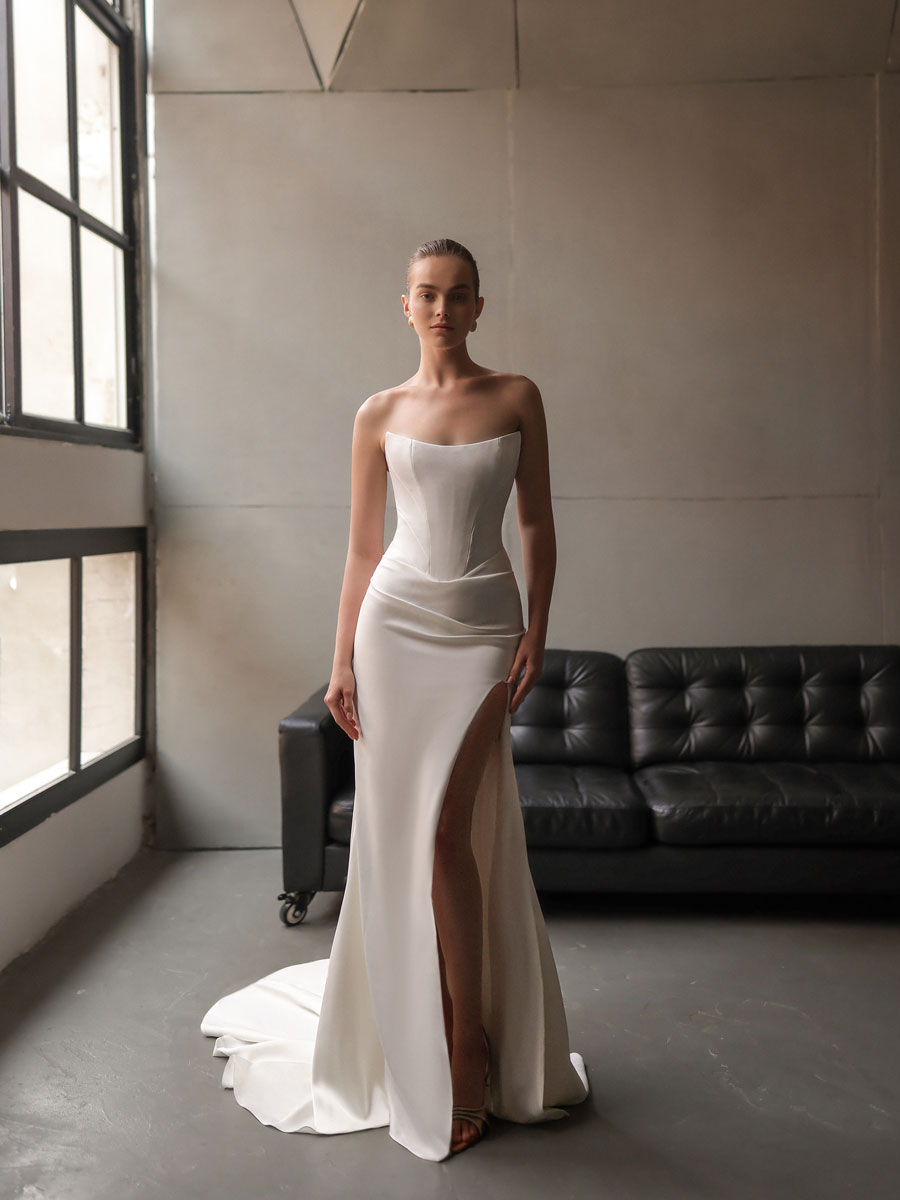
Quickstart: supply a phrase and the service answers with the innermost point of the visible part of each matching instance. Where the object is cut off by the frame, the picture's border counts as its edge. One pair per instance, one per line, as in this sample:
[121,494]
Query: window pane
[99,134]
[103,330]
[45,274]
[108,648]
[34,676]
[39,63]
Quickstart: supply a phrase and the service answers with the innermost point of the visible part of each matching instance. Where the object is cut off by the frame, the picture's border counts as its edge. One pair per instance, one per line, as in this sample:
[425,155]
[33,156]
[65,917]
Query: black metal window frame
[13,179]
[26,545]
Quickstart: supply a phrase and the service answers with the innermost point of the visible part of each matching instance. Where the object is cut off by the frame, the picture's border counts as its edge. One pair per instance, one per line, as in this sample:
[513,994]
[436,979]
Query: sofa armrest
[316,760]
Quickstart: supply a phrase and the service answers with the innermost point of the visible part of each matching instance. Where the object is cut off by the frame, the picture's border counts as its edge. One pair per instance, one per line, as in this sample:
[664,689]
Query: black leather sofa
[675,769]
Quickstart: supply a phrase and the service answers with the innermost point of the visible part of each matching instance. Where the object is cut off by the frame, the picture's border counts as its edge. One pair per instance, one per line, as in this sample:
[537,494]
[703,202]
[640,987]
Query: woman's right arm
[368,493]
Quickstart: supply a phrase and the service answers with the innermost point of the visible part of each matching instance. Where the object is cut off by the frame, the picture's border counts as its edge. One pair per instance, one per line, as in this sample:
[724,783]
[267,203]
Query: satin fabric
[357,1040]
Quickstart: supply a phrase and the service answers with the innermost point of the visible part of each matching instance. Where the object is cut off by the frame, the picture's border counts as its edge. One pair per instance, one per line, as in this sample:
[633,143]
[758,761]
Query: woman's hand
[341,700]
[530,657]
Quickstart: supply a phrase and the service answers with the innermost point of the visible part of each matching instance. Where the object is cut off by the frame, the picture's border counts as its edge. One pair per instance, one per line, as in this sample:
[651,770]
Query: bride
[440,1002]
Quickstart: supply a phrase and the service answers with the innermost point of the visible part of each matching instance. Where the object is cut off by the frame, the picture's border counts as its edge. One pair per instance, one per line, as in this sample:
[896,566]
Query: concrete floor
[738,1047]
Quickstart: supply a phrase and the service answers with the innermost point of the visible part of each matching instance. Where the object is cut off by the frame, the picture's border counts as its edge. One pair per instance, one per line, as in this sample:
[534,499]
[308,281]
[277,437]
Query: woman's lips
[442,327]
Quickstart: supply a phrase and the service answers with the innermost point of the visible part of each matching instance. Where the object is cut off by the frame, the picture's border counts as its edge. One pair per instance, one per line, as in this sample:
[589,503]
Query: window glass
[99,132]
[108,652]
[103,324]
[41,90]
[45,280]
[34,676]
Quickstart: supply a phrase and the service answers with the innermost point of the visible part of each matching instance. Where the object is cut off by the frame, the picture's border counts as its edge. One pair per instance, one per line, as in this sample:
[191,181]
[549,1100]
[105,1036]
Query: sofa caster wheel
[295,905]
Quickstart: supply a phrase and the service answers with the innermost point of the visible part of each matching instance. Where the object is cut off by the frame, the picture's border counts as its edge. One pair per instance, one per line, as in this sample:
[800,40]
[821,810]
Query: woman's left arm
[538,534]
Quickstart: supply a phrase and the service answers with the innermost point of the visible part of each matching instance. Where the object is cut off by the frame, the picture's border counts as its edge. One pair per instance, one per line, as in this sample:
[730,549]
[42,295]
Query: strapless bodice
[450,502]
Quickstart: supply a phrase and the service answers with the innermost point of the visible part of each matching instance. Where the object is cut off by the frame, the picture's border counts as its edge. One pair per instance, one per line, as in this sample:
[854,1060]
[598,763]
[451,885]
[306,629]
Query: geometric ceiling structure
[427,45]
[325,24]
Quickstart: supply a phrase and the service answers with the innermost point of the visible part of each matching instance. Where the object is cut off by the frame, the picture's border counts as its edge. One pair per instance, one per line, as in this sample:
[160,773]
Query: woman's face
[441,293]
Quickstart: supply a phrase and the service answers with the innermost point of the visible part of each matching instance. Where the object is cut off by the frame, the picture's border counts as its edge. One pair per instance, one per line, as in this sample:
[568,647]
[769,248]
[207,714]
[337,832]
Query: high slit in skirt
[358,1040]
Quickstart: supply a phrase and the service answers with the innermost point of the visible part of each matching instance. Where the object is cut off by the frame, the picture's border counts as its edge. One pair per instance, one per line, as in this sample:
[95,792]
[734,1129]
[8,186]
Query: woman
[440,1000]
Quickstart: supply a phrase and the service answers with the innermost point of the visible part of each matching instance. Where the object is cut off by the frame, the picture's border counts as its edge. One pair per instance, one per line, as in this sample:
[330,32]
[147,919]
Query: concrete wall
[47,484]
[695,255]
[47,871]
[886,339]
[700,276]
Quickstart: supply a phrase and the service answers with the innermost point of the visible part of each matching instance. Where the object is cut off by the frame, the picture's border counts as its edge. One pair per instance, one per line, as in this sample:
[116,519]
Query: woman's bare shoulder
[377,408]
[374,415]
[522,384]
[521,397]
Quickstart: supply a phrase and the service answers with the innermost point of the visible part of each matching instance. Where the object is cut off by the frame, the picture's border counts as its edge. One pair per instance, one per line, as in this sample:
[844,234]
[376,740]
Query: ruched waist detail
[485,600]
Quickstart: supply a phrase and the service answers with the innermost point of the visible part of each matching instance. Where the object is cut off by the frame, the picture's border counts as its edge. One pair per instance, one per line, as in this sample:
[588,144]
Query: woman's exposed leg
[456,896]
[445,996]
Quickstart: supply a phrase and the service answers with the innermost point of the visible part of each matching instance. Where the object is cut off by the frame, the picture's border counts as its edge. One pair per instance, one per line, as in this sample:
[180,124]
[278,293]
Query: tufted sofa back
[576,713]
[764,703]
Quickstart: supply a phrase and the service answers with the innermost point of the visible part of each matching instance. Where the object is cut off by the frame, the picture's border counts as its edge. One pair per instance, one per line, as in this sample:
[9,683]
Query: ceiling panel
[228,46]
[408,45]
[587,43]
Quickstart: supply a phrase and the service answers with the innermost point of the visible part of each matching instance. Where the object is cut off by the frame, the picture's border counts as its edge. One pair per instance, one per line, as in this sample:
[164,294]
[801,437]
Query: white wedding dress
[357,1040]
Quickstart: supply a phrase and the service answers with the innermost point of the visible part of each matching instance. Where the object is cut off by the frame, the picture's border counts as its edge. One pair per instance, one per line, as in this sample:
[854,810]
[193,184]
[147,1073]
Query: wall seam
[877,381]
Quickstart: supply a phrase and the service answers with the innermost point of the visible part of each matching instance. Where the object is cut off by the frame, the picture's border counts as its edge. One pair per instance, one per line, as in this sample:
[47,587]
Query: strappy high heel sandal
[477,1116]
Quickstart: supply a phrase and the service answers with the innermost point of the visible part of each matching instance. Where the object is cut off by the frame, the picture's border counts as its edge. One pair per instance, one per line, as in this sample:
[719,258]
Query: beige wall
[698,275]
[886,341]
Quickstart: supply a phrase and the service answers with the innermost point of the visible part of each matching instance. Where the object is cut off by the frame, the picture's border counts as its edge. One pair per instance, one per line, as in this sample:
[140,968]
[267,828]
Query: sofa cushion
[764,704]
[340,815]
[581,806]
[577,712]
[562,806]
[709,803]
